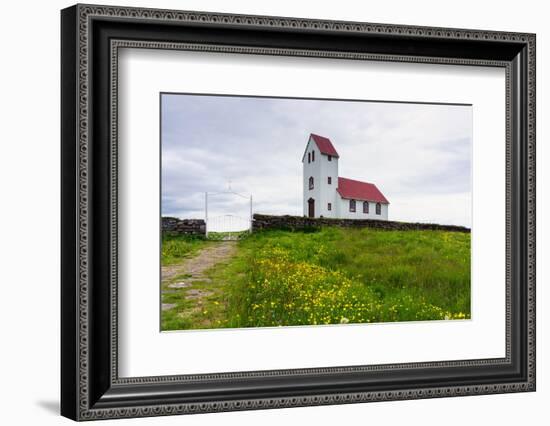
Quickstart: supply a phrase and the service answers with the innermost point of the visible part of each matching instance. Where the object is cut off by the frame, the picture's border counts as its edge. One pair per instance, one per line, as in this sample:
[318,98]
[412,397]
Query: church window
[309,157]
[329,206]
[330,158]
[329,180]
[312,155]
[311,182]
[378,208]
[365,207]
[352,206]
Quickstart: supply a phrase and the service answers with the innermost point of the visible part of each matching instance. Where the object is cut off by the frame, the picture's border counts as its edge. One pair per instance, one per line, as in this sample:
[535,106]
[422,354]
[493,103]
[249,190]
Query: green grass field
[331,276]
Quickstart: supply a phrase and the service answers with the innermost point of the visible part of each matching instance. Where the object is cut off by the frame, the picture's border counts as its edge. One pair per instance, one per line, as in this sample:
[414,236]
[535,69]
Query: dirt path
[188,280]
[205,259]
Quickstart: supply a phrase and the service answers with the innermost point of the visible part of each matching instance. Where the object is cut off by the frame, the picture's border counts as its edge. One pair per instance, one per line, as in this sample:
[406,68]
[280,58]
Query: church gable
[323,144]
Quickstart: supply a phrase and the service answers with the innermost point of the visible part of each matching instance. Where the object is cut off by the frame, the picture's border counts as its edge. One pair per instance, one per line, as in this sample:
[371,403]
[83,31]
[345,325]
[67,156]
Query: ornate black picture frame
[91,37]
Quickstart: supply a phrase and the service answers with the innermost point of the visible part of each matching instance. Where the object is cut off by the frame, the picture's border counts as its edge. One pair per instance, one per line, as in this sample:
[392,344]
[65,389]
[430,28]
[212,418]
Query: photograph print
[279,212]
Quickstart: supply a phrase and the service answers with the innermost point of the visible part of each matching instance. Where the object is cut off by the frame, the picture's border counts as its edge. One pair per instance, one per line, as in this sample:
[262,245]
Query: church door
[311,207]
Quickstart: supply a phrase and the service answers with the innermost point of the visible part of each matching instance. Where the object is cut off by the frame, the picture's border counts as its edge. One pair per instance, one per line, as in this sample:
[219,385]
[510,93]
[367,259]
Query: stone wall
[303,223]
[174,225]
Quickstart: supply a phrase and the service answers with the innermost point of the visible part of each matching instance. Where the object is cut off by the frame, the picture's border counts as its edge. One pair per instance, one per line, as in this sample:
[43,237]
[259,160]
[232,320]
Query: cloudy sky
[418,155]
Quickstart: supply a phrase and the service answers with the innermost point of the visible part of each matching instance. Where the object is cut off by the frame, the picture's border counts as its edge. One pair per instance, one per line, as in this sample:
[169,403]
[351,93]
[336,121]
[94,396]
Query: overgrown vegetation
[224,236]
[335,275]
[174,247]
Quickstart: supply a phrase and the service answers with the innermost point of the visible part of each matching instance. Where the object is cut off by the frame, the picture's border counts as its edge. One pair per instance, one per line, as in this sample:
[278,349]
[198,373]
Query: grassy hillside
[335,275]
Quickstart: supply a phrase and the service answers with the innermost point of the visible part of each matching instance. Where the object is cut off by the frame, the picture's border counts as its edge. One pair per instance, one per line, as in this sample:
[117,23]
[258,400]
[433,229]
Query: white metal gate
[220,221]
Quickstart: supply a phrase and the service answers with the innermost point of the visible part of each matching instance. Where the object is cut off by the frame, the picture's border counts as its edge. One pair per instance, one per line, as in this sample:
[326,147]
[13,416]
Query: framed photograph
[263,212]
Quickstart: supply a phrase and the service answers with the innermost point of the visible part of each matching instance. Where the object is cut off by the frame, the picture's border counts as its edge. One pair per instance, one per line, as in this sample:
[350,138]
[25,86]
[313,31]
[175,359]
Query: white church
[328,195]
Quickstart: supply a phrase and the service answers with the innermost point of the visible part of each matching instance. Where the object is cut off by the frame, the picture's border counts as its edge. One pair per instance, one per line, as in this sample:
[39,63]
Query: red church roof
[357,190]
[324,145]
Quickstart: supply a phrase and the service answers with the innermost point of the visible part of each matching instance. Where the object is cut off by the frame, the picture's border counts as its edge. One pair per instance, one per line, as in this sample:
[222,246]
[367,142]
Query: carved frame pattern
[85,13]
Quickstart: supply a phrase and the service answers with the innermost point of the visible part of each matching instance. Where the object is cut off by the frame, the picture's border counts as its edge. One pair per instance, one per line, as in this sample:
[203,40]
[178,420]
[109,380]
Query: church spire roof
[325,145]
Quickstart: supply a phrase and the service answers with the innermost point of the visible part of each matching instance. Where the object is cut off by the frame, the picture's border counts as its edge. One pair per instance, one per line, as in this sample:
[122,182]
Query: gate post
[251,215]
[206,214]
